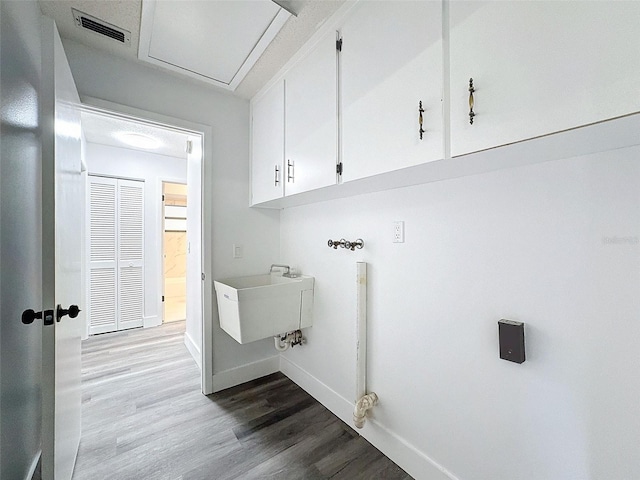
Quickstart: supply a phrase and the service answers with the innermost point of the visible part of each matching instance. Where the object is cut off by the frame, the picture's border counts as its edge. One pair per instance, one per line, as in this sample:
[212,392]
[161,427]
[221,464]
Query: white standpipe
[364,401]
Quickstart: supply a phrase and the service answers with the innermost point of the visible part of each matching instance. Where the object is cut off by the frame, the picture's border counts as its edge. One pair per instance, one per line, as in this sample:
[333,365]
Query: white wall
[20,242]
[120,81]
[152,169]
[555,245]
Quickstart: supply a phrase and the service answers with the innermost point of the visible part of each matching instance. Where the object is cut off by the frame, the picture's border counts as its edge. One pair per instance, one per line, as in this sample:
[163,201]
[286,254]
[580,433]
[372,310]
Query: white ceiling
[126,14]
[103,129]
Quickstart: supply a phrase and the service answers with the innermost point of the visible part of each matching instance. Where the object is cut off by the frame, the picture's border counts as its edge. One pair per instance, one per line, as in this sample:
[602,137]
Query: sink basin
[261,306]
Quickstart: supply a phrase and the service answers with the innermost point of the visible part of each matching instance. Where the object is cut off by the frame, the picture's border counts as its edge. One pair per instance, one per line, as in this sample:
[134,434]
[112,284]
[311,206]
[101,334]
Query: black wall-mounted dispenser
[511,340]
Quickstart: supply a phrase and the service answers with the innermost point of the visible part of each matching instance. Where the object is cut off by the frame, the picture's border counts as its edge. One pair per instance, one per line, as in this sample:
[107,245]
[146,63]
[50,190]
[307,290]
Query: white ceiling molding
[199,41]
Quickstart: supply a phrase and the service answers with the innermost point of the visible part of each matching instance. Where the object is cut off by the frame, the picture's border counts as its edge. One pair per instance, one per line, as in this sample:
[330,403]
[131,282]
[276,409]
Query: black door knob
[28,316]
[73,312]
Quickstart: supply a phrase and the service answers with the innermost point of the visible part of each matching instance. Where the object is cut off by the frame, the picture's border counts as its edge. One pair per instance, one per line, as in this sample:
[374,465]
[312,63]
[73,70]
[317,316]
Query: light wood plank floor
[145,418]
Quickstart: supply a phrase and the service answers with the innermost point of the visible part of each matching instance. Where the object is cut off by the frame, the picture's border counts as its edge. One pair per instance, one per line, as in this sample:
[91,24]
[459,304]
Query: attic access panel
[215,41]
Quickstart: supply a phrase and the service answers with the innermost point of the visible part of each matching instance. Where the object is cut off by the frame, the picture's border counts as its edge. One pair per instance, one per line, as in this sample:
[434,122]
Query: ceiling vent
[82,20]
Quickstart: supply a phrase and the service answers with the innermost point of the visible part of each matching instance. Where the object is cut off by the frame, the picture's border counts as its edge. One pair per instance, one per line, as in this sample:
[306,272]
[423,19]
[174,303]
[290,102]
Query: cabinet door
[311,133]
[391,60]
[540,67]
[267,137]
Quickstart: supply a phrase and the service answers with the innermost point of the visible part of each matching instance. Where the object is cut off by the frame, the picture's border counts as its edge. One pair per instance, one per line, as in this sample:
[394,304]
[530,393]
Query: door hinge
[203,276]
[339,168]
[189,146]
[339,44]
[163,198]
[163,298]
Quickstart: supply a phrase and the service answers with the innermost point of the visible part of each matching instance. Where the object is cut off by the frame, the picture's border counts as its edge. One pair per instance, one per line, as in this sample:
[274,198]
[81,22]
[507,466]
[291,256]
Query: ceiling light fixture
[138,140]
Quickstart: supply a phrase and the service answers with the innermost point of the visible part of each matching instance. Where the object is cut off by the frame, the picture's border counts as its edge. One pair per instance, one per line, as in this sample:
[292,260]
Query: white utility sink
[261,306]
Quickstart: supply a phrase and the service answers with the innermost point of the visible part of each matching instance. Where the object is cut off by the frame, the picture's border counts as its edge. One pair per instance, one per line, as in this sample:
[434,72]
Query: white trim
[194,350]
[245,373]
[407,456]
[340,406]
[96,104]
[151,321]
[274,28]
[446,74]
[144,44]
[34,466]
[86,257]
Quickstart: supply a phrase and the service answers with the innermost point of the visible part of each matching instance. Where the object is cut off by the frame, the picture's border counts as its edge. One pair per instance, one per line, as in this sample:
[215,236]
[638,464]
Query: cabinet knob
[471,101]
[420,112]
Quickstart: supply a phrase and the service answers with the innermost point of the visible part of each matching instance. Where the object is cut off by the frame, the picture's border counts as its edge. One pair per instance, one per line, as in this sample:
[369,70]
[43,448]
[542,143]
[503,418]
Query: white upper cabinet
[311,119]
[404,69]
[540,67]
[391,60]
[267,147]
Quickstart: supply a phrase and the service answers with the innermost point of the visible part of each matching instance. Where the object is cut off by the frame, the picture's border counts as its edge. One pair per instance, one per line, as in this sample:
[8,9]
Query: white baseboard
[194,349]
[245,373]
[408,457]
[331,399]
[151,321]
[34,466]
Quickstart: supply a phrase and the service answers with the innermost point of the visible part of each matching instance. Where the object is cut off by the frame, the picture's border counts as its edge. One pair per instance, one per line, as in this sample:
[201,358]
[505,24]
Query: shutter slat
[131,295]
[131,222]
[103,221]
[102,294]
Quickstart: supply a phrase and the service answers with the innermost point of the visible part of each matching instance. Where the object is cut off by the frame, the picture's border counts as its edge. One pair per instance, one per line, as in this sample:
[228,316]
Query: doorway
[174,252]
[193,148]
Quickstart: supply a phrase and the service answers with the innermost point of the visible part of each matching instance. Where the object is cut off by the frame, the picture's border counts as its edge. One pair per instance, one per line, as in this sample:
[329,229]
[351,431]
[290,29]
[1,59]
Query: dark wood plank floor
[145,418]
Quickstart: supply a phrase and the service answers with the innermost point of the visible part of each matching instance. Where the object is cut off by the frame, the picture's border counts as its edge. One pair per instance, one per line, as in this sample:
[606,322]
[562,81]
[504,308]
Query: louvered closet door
[102,255]
[130,253]
[116,267]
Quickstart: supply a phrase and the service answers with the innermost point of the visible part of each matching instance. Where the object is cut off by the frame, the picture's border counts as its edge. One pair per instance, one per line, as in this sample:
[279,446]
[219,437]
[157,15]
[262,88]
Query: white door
[103,266]
[62,210]
[116,254]
[130,254]
[267,145]
[311,119]
[391,66]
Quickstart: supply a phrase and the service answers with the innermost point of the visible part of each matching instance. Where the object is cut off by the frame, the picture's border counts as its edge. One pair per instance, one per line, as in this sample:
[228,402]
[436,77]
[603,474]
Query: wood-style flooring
[145,418]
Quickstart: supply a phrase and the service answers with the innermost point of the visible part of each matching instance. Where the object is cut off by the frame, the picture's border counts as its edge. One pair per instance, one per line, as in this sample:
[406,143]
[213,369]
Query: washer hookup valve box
[511,340]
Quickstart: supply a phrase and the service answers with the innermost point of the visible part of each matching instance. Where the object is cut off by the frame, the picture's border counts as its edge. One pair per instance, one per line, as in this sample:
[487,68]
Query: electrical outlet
[398,232]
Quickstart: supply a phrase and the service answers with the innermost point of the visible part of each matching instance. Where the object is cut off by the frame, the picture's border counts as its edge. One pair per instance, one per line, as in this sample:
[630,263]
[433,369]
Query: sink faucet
[287,272]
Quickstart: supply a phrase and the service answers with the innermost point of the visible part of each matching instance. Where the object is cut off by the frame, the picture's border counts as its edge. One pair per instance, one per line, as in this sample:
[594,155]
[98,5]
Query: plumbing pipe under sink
[290,339]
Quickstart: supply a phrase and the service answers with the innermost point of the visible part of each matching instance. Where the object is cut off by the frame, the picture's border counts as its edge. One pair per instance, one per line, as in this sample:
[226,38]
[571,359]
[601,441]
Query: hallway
[145,418]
